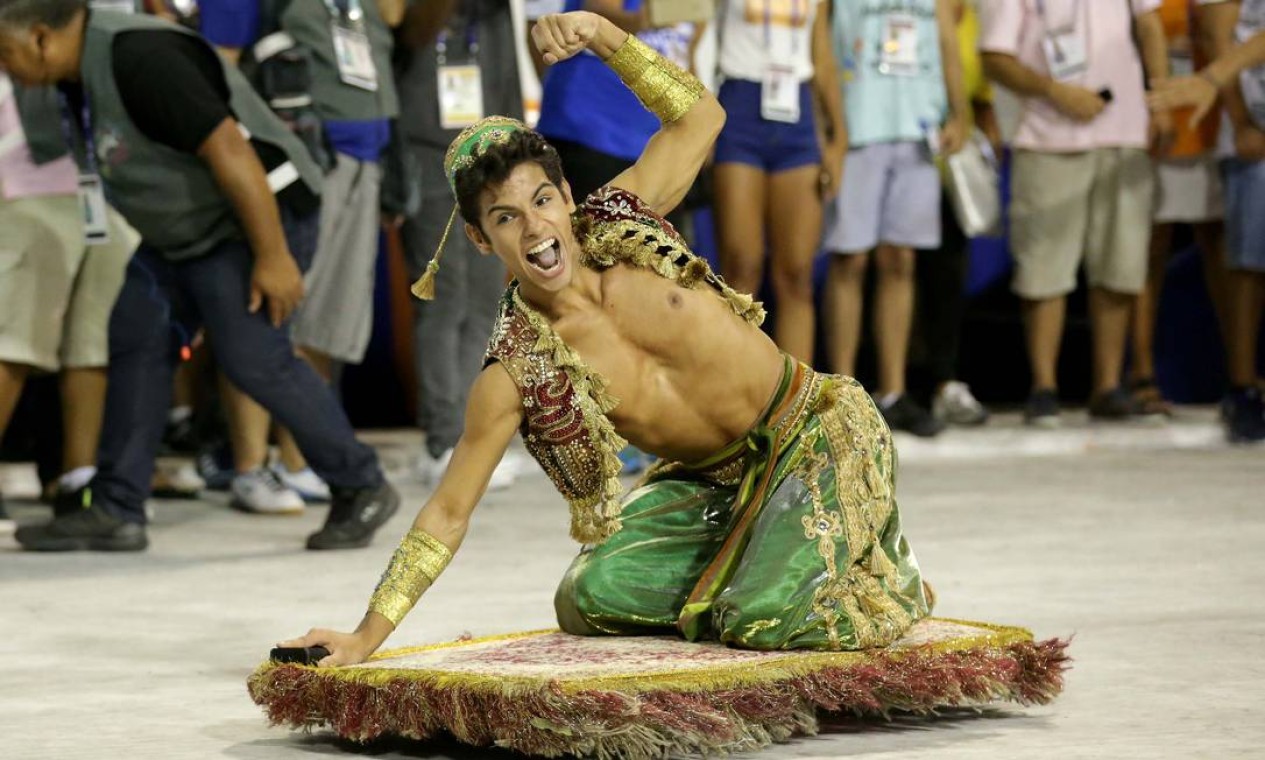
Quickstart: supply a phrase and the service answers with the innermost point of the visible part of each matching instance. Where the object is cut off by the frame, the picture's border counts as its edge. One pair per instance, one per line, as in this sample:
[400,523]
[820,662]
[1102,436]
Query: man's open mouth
[546,256]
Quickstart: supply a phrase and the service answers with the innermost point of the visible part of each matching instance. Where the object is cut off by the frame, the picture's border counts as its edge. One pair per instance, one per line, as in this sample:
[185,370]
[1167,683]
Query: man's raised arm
[493,415]
[690,115]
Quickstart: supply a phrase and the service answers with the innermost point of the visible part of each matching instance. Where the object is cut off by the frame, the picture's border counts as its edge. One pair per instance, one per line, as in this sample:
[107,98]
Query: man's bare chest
[642,319]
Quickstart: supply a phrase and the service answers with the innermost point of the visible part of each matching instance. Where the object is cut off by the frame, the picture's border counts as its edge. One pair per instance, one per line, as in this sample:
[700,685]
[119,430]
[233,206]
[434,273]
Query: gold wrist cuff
[665,89]
[415,565]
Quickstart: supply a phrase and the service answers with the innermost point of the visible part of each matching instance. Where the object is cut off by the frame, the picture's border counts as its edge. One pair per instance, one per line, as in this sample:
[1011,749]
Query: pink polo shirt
[1017,27]
[19,176]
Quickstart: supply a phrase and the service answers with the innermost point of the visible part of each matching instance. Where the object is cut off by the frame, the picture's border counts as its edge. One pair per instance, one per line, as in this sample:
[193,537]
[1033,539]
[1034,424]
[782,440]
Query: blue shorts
[1244,222]
[749,138]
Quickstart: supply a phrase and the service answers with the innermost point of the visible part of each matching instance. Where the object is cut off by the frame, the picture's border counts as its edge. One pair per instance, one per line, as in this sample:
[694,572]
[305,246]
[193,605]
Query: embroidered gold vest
[565,426]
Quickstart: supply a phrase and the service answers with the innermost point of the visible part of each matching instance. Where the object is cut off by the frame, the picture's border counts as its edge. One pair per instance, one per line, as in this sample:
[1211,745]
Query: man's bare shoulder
[494,392]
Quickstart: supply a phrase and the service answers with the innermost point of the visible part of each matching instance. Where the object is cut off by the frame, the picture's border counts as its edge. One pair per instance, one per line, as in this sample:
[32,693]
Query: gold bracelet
[665,89]
[415,565]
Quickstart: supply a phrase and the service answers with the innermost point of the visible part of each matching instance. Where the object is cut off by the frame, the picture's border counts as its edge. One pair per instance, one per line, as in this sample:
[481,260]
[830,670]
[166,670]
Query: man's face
[30,56]
[526,221]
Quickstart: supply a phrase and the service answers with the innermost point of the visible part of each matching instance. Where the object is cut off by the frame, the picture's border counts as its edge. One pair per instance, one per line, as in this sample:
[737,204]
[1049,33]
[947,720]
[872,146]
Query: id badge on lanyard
[779,91]
[460,86]
[93,210]
[899,53]
[352,52]
[1065,53]
[92,206]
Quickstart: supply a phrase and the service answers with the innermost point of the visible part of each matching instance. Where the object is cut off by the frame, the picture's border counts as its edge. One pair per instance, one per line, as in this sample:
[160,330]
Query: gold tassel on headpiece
[424,288]
[462,153]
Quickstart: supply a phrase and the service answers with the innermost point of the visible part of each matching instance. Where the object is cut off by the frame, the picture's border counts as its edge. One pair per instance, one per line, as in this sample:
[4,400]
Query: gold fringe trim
[642,245]
[596,518]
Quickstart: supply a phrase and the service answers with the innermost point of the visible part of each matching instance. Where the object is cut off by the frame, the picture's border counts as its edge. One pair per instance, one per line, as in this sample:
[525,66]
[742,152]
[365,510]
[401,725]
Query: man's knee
[572,598]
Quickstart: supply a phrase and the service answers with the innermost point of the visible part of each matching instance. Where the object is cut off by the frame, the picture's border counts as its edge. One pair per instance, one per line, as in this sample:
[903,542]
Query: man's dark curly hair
[496,164]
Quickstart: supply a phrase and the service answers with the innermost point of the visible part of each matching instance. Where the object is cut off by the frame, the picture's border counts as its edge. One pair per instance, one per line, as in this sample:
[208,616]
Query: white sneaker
[306,483]
[956,405]
[505,474]
[262,492]
[430,469]
[519,463]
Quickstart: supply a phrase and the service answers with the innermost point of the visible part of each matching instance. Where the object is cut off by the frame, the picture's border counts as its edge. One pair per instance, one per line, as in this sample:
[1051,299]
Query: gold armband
[415,565]
[665,89]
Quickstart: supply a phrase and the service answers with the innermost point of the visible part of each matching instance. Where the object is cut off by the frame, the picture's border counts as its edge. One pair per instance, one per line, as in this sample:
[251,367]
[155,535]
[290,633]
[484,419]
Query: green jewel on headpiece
[474,140]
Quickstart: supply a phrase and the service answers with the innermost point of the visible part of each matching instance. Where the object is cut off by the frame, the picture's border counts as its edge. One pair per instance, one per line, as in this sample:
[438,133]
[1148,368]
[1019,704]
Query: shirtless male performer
[771,521]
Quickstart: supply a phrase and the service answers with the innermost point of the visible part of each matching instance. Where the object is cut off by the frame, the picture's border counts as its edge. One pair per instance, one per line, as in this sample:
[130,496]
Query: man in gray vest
[224,198]
[341,50]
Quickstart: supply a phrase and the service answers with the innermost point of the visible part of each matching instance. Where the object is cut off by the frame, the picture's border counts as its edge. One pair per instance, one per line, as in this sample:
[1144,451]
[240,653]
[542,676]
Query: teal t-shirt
[893,80]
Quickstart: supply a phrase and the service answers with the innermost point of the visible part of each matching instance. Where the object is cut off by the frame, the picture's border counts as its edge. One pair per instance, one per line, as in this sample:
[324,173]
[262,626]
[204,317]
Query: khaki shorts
[56,293]
[1094,206]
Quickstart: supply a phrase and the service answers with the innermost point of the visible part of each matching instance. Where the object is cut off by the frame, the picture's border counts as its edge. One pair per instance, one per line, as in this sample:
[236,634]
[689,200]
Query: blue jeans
[160,307]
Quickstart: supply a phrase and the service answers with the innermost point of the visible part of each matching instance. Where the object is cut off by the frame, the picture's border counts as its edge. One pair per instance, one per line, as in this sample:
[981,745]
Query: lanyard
[795,19]
[351,8]
[472,41]
[1076,15]
[82,127]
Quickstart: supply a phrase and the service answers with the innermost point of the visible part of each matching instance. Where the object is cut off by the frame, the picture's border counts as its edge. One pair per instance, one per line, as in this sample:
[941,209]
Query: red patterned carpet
[551,694]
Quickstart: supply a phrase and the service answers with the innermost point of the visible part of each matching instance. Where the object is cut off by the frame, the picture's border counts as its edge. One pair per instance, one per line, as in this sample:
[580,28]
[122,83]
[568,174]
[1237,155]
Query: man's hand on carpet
[344,648]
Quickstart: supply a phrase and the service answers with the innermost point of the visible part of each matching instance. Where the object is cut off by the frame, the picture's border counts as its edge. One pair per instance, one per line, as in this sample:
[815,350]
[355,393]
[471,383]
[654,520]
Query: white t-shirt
[756,33]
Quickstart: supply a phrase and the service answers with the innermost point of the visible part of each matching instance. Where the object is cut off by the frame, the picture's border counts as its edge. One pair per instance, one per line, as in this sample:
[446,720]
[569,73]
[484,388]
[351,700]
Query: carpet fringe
[547,719]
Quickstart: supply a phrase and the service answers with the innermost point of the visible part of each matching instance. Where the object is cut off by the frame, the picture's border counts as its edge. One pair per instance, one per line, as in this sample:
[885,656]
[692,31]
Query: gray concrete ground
[1146,545]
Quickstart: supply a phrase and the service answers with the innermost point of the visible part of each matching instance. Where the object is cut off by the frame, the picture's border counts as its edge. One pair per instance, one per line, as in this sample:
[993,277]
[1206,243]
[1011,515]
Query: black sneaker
[181,437]
[1244,415]
[68,502]
[1116,405]
[1042,409]
[90,529]
[355,514]
[904,414]
[215,467]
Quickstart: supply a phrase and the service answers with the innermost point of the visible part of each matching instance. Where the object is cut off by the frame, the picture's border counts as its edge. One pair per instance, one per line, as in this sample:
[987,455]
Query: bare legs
[1109,320]
[893,313]
[1209,238]
[83,409]
[786,203]
[1246,307]
[1043,327]
[795,216]
[249,423]
[12,379]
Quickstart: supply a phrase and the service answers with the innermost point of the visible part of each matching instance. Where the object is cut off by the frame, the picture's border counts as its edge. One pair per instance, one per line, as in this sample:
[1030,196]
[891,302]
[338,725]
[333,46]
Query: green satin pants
[821,562]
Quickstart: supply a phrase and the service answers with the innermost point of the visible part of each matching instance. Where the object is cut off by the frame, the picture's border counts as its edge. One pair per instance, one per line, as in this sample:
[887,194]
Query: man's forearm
[1239,57]
[1006,70]
[240,176]
[1154,44]
[951,62]
[826,84]
[1219,21]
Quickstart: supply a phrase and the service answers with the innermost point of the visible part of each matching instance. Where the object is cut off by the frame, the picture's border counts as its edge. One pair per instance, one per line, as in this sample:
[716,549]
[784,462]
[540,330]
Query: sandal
[1151,402]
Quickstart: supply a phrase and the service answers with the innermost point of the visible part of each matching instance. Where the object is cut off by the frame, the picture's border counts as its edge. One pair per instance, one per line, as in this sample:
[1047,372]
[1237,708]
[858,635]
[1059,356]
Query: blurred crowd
[185,313]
